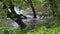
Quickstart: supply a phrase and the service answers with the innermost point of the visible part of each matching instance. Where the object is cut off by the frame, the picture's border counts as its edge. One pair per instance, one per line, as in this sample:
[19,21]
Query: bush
[9,30]
[38,30]
[52,24]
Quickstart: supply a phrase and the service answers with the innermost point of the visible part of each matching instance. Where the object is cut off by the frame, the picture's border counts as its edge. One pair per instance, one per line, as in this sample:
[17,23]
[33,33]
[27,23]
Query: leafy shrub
[9,30]
[38,30]
[52,24]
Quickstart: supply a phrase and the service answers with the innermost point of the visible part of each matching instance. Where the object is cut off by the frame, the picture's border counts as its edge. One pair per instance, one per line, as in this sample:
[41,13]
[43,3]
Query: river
[30,20]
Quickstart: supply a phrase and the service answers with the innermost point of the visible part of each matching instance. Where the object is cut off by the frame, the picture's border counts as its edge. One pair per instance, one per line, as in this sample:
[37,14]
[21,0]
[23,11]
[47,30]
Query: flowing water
[30,20]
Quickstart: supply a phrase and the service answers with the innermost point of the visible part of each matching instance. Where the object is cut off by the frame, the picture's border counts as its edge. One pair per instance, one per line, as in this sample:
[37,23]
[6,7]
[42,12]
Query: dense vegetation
[41,30]
[37,30]
[48,7]
[51,28]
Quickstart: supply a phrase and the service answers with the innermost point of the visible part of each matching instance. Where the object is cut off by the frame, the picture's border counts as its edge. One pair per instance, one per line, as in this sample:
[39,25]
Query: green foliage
[3,14]
[9,30]
[52,24]
[53,29]
[38,30]
[20,3]
[44,30]
[49,28]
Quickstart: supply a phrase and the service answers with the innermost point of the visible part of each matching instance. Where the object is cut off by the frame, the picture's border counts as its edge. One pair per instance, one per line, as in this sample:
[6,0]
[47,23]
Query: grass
[44,30]
[38,30]
[54,28]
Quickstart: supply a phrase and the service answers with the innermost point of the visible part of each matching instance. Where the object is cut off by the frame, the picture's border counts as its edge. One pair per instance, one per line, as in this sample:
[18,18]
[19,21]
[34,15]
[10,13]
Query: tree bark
[33,9]
[17,18]
[14,16]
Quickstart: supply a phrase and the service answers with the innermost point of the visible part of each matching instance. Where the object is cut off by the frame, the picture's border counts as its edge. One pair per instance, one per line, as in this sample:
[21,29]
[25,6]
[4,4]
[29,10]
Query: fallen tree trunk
[15,17]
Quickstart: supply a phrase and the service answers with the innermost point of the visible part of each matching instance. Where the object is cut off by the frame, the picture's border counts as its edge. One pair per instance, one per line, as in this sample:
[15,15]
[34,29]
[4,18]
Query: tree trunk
[13,15]
[34,13]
